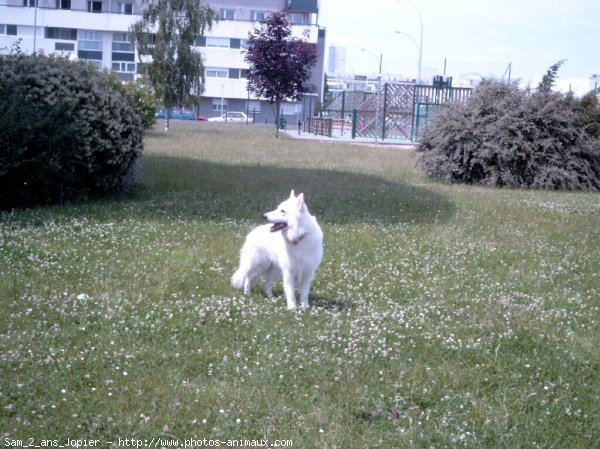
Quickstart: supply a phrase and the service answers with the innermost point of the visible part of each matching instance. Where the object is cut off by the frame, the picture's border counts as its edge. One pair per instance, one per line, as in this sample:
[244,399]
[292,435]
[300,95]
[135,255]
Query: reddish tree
[279,62]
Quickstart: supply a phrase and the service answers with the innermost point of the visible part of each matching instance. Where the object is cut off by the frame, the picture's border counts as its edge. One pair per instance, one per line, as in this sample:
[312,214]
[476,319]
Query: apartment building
[97,31]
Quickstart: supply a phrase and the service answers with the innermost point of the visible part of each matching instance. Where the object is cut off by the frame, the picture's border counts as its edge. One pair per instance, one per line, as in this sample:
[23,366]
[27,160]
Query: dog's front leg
[305,289]
[289,289]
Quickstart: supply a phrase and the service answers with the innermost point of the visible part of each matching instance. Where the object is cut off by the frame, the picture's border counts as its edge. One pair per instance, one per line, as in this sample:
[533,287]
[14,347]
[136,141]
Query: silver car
[233,117]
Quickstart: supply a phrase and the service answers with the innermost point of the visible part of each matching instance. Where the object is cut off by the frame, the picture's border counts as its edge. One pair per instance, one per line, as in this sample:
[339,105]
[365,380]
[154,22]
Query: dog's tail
[238,278]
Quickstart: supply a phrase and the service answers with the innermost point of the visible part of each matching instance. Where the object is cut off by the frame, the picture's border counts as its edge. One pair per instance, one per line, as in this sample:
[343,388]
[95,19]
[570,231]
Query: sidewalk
[401,144]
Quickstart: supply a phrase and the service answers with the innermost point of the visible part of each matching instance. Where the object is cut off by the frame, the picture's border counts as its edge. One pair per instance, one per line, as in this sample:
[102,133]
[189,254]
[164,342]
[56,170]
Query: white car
[233,117]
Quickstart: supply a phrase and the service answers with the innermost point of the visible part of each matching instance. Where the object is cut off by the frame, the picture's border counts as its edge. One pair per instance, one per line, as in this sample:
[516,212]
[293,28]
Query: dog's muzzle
[277,225]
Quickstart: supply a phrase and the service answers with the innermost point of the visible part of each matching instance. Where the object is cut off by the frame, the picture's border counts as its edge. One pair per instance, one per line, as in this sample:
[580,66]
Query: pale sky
[481,37]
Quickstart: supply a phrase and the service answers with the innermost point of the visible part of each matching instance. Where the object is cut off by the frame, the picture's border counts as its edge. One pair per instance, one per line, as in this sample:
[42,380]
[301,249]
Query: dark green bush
[66,133]
[504,136]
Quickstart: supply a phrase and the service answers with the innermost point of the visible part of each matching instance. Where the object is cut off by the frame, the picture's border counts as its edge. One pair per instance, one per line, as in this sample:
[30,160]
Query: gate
[397,114]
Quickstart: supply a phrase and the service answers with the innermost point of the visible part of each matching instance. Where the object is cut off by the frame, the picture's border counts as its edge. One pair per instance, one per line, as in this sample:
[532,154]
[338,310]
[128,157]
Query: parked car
[178,114]
[233,117]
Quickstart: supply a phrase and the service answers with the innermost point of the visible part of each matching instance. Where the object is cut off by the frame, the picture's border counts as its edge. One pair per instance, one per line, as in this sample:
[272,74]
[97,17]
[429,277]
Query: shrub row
[506,136]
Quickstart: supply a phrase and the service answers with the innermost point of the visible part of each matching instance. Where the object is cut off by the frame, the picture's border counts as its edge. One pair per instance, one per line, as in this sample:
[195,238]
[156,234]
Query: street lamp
[420,40]
[418,50]
[378,91]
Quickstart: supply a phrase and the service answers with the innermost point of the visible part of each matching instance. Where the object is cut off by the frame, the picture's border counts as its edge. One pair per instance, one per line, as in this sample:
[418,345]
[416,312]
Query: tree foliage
[280,64]
[139,95]
[589,109]
[505,136]
[549,78]
[167,33]
[67,132]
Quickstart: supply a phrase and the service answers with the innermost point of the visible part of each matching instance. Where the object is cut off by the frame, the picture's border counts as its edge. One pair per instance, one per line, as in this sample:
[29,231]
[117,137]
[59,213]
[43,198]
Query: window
[296,18]
[90,40]
[234,73]
[235,43]
[123,67]
[216,72]
[63,4]
[221,42]
[227,14]
[258,16]
[201,41]
[125,8]
[30,3]
[123,53]
[67,34]
[89,45]
[2,28]
[219,105]
[94,6]
[11,30]
[122,42]
[64,46]
[120,56]
[244,73]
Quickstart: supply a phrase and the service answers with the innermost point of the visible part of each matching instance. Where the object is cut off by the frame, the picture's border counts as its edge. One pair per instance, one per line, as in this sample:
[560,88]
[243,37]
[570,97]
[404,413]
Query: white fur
[294,252]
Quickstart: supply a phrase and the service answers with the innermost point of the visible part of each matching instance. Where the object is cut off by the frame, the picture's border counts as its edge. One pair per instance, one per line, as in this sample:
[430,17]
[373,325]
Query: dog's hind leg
[247,285]
[272,274]
[249,281]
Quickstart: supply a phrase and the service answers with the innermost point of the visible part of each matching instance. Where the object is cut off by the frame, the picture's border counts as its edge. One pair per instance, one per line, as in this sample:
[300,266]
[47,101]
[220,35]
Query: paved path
[402,144]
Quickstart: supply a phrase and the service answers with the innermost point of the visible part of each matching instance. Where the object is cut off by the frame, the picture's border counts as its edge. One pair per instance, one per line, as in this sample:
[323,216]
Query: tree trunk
[167,117]
[277,103]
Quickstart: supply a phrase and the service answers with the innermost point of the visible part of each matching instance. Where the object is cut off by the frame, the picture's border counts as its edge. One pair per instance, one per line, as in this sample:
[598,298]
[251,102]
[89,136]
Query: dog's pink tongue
[278,227]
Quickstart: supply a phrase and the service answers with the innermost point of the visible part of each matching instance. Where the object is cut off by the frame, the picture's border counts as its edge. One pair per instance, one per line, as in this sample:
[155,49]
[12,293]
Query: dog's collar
[296,241]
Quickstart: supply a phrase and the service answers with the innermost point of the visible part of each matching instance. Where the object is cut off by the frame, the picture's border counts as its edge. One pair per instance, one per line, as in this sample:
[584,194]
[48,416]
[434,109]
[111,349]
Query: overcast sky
[474,36]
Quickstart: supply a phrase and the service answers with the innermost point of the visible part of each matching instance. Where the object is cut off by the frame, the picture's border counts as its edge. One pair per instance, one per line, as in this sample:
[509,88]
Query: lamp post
[223,98]
[418,50]
[35,27]
[420,40]
[378,92]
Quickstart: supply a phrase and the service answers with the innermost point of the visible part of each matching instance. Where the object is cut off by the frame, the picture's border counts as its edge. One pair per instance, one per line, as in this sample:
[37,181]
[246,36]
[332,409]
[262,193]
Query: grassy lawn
[442,315]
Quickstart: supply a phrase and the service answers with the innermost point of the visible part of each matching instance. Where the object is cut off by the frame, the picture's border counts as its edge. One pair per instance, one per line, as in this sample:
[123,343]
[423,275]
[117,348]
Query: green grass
[442,315]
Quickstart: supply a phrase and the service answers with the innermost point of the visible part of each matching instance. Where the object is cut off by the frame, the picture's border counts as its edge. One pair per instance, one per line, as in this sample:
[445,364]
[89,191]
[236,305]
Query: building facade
[97,31]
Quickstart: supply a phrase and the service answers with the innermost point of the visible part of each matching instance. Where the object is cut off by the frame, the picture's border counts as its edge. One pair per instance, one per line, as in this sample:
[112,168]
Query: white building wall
[12,12]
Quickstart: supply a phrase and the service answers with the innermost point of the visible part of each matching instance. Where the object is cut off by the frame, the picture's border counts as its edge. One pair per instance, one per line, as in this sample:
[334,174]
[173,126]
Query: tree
[167,33]
[279,63]
[550,77]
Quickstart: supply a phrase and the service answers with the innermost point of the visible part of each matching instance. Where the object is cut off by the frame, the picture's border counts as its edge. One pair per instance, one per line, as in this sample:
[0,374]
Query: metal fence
[327,126]
[397,111]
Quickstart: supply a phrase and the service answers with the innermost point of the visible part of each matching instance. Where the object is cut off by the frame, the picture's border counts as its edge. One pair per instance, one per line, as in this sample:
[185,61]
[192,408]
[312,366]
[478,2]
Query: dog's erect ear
[300,202]
[292,194]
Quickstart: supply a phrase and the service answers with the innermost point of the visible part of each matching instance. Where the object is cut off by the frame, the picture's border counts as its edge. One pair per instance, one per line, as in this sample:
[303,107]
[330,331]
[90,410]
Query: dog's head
[286,213]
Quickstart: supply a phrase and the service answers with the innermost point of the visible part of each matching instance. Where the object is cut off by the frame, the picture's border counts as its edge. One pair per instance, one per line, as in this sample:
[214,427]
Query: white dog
[292,245]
